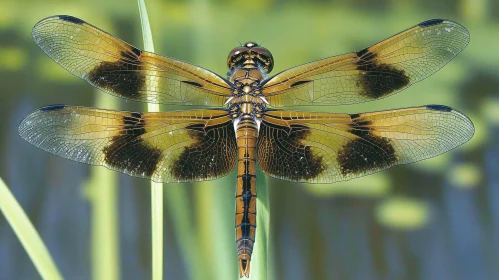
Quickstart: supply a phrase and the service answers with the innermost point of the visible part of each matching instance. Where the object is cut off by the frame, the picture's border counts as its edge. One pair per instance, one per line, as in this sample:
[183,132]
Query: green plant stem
[156,188]
[260,256]
[101,191]
[147,38]
[181,215]
[215,228]
[214,200]
[157,230]
[27,234]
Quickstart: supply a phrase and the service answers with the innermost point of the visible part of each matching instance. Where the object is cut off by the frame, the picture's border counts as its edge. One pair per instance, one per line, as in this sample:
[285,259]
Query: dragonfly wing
[375,72]
[327,148]
[125,71]
[183,146]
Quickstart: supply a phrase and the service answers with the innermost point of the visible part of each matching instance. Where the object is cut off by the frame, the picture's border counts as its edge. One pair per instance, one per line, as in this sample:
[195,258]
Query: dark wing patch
[129,149]
[123,77]
[284,145]
[164,147]
[378,79]
[367,152]
[375,72]
[327,148]
[125,71]
[207,156]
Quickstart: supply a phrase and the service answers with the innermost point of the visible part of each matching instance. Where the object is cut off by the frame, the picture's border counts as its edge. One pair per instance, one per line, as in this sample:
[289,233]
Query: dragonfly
[245,118]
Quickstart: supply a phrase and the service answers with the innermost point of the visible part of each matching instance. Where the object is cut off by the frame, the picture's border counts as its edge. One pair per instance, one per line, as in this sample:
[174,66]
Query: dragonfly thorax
[247,99]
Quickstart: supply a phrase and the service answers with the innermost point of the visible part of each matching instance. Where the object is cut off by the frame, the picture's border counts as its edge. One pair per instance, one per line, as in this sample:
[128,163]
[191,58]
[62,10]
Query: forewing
[164,147]
[327,148]
[123,70]
[372,73]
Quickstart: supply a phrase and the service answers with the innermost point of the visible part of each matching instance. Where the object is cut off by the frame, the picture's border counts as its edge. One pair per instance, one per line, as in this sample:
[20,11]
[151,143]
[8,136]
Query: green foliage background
[436,219]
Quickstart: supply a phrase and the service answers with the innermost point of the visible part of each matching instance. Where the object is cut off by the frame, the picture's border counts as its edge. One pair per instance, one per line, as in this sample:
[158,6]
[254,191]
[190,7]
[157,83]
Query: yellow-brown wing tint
[372,73]
[327,148]
[164,147]
[123,70]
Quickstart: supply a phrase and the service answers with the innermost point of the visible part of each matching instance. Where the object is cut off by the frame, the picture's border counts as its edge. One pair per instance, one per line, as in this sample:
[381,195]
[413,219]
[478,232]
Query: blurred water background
[436,219]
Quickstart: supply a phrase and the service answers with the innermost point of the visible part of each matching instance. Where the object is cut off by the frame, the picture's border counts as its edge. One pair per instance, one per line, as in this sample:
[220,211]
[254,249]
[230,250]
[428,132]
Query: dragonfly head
[251,54]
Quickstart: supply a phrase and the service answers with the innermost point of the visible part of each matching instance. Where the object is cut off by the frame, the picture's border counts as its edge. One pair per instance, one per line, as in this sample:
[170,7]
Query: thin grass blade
[156,188]
[260,257]
[101,191]
[27,234]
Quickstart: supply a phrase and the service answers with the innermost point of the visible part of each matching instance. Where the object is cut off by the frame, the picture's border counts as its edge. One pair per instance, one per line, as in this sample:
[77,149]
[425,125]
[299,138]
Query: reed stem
[27,234]
[260,256]
[156,188]
[101,191]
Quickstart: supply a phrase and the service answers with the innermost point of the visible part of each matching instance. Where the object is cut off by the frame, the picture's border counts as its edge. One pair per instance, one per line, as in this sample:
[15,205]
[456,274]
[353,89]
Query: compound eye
[265,55]
[237,51]
[262,51]
[234,54]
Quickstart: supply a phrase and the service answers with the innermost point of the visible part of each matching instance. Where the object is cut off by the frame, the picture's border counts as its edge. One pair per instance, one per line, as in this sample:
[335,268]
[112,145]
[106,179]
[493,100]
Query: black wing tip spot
[441,108]
[299,83]
[71,19]
[430,22]
[55,107]
[193,84]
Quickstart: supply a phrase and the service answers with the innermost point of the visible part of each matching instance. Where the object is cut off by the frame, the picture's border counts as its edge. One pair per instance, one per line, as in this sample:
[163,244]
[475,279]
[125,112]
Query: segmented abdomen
[246,135]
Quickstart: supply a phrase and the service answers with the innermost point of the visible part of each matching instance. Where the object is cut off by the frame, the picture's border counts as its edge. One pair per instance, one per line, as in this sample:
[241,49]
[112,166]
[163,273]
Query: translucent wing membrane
[125,71]
[327,148]
[165,147]
[372,73]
